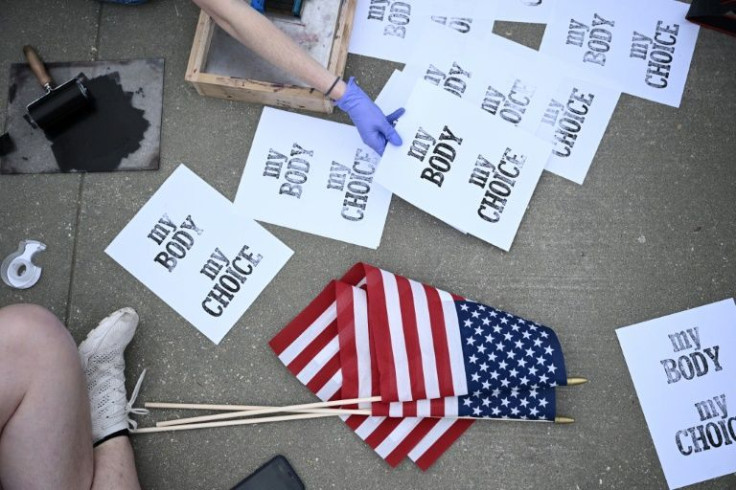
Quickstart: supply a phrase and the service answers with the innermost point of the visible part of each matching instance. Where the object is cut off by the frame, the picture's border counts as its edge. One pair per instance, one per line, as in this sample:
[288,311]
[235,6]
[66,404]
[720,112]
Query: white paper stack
[521,87]
[645,47]
[510,104]
[502,100]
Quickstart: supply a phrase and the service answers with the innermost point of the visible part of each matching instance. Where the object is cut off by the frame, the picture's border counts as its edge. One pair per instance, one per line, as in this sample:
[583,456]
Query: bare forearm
[256,32]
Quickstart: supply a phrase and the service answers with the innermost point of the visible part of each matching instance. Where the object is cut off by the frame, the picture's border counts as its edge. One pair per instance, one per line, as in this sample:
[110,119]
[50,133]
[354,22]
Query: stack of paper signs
[645,47]
[484,115]
[513,102]
[522,88]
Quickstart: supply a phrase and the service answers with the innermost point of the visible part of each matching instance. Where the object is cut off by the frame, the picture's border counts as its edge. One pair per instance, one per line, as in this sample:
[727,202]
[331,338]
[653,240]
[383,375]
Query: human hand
[373,126]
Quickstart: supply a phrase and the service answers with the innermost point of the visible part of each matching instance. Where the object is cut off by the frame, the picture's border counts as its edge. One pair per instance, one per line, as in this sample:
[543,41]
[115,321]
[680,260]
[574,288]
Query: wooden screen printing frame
[261,92]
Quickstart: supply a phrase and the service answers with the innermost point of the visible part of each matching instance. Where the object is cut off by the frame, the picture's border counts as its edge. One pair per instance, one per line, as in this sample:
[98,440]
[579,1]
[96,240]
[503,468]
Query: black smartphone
[277,474]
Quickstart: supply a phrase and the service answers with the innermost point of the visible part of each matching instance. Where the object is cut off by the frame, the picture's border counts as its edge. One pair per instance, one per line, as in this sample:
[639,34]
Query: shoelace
[133,424]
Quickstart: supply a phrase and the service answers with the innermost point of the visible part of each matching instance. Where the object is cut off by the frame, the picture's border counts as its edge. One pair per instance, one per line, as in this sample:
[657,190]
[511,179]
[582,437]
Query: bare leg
[45,435]
[115,465]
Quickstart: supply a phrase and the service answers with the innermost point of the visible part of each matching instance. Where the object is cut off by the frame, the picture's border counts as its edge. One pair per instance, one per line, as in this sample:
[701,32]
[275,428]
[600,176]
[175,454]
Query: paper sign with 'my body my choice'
[193,250]
[477,175]
[393,29]
[684,371]
[314,176]
[646,47]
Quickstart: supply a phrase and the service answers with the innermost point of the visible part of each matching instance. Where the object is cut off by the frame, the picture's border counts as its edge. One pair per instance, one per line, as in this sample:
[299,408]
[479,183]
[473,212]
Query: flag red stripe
[443,443]
[356,274]
[437,407]
[314,348]
[411,339]
[379,409]
[301,322]
[410,441]
[439,339]
[382,432]
[346,334]
[355,421]
[325,374]
[375,376]
[409,409]
[381,335]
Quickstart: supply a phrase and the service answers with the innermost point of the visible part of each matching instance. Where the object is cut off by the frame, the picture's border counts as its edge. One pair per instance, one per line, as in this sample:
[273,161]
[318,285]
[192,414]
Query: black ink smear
[6,144]
[100,141]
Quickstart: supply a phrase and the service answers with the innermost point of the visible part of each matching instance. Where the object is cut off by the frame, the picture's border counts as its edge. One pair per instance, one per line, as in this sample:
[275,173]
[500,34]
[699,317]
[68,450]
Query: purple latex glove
[374,127]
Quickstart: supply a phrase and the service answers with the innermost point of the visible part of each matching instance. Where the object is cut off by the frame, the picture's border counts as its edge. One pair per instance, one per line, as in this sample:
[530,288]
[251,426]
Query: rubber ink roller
[61,105]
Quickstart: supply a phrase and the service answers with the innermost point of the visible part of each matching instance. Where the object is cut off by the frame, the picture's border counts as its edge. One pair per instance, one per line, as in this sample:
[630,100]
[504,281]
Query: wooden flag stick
[557,420]
[227,423]
[203,406]
[264,411]
[576,381]
[339,411]
[300,416]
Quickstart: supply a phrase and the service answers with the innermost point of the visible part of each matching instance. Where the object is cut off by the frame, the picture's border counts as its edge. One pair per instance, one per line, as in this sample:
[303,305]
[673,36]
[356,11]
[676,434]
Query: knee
[28,328]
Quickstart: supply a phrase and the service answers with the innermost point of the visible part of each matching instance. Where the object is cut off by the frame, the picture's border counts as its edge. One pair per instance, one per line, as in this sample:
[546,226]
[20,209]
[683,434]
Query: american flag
[376,333]
[432,344]
[310,348]
[506,379]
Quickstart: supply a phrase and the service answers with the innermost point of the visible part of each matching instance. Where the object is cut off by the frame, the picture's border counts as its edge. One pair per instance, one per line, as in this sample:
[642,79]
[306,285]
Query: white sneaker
[102,360]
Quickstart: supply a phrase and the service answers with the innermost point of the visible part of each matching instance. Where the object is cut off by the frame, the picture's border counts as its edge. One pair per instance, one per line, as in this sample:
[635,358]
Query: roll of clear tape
[18,270]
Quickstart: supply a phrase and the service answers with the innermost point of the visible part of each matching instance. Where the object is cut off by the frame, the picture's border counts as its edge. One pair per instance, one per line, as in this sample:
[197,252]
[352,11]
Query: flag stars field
[513,341]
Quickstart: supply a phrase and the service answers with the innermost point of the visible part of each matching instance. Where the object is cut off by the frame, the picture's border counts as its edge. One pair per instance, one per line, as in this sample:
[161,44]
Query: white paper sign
[475,174]
[531,11]
[194,251]
[521,87]
[646,47]
[684,367]
[396,92]
[391,29]
[314,176]
[576,118]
